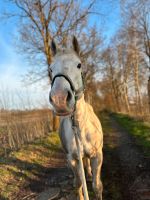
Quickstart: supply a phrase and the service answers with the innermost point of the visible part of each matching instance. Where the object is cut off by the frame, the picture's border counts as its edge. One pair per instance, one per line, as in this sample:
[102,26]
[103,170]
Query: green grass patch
[139,129]
[26,163]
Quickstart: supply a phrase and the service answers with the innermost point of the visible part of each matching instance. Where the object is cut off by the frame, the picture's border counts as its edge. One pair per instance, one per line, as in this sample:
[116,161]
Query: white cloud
[12,92]
[16,96]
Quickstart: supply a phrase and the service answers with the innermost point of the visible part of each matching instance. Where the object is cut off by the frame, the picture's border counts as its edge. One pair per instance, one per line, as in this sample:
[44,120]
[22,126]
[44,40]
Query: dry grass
[20,127]
[26,165]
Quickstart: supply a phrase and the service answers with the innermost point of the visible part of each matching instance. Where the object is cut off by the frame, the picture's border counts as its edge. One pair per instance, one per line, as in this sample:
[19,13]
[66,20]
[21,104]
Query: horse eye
[79,66]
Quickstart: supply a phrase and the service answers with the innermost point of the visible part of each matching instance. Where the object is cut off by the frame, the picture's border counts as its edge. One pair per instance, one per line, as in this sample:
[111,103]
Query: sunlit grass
[140,130]
[24,164]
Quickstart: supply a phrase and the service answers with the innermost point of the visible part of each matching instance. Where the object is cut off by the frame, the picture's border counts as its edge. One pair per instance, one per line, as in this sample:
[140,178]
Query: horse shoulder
[93,118]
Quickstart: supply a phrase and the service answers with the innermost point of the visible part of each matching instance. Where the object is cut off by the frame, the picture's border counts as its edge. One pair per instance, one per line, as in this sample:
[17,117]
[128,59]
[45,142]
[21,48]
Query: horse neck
[80,109]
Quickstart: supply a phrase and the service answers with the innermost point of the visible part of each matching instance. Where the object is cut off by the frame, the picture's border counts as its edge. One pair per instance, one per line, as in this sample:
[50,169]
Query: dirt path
[125,172]
[130,168]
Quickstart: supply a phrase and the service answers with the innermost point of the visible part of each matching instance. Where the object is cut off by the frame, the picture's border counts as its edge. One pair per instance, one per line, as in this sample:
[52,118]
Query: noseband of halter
[78,93]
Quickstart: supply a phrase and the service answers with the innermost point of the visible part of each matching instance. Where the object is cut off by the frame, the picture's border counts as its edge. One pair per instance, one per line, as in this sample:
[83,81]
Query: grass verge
[26,164]
[140,130]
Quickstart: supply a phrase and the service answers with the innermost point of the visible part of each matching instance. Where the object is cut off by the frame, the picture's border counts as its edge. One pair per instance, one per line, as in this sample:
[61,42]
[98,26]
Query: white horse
[67,96]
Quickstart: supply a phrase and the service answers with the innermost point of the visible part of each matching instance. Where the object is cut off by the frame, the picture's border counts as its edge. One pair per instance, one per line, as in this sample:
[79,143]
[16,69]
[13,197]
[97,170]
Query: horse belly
[93,140]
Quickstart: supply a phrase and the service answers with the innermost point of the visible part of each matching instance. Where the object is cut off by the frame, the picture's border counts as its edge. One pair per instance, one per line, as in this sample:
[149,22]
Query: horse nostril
[69,96]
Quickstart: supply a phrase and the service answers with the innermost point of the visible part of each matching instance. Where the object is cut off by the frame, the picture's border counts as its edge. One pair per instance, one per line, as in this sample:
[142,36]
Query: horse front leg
[87,167]
[74,164]
[96,164]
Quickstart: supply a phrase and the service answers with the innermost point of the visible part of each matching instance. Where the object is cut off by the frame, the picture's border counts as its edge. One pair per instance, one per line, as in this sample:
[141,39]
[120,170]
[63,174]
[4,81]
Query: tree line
[117,74]
[127,61]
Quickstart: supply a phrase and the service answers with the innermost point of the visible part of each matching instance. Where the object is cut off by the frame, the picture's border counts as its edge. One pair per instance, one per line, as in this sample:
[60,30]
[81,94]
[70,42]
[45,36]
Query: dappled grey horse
[67,97]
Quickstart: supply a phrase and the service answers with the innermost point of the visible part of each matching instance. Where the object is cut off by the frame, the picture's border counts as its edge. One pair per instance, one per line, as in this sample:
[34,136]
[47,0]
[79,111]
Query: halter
[78,93]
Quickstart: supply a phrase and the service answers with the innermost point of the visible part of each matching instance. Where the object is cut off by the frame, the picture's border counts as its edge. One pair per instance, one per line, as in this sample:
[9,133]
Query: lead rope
[75,126]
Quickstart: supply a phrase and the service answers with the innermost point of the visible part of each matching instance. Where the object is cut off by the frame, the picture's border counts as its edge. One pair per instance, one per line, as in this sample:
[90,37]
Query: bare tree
[143,29]
[111,72]
[137,15]
[41,20]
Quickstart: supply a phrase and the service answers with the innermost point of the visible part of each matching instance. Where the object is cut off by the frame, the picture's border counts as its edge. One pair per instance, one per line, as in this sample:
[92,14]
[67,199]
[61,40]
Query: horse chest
[87,149]
[89,140]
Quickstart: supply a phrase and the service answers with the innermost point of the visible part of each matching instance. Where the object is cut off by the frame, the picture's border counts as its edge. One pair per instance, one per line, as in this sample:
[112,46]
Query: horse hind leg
[77,178]
[96,164]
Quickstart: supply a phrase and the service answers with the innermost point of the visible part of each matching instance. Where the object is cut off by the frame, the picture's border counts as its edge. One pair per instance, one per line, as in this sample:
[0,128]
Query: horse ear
[75,45]
[53,47]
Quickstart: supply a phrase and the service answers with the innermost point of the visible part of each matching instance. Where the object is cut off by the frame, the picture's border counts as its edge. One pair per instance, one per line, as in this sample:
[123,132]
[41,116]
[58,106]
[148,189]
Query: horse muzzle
[62,102]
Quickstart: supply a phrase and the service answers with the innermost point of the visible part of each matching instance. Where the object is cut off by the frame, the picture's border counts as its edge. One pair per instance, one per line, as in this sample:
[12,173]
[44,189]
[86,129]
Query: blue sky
[13,65]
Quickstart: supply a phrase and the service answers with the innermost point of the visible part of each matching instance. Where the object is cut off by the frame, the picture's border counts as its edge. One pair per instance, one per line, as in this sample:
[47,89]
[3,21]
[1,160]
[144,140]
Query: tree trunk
[149,93]
[55,123]
[137,86]
[116,94]
[126,99]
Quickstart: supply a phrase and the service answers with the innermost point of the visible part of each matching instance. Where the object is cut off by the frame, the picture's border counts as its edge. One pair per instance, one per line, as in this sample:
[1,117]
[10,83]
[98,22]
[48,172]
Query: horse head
[67,81]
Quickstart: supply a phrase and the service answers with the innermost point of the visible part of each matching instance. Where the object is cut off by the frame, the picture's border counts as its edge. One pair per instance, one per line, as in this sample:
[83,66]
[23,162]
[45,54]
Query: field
[59,54]
[24,168]
[38,170]
[20,127]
